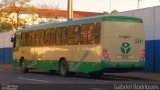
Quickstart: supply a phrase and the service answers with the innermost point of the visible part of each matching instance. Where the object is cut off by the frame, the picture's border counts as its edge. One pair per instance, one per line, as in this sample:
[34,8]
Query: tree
[11,7]
[5,26]
[16,21]
[114,11]
[21,3]
[105,12]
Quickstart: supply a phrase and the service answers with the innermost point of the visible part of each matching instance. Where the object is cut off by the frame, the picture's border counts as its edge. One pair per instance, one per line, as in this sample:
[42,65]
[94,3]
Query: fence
[6,48]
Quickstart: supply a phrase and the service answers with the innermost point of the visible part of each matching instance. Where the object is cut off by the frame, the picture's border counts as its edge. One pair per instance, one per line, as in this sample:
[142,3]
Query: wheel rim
[63,68]
[22,66]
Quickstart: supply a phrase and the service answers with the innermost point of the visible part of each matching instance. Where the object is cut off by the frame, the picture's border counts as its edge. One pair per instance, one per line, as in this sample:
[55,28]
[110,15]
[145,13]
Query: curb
[7,67]
[136,77]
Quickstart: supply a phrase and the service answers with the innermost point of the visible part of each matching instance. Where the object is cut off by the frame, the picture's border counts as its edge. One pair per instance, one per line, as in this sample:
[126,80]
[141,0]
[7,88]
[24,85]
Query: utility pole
[70,10]
[110,3]
[138,4]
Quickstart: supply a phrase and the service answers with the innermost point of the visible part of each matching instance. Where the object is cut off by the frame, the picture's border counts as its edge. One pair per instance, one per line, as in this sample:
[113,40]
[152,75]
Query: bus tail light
[105,54]
[143,54]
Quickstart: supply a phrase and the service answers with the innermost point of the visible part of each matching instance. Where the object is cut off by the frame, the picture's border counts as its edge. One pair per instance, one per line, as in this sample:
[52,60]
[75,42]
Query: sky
[99,5]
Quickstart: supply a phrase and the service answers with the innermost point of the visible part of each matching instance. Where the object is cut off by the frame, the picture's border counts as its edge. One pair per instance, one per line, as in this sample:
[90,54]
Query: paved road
[40,79]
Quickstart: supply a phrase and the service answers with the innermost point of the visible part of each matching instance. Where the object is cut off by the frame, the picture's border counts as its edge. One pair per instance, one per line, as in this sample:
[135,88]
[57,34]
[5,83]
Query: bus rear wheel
[63,68]
[24,69]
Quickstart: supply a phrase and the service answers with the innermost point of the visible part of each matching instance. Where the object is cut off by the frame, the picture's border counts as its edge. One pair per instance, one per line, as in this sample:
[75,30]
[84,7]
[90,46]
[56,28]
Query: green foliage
[19,22]
[114,11]
[20,3]
[5,26]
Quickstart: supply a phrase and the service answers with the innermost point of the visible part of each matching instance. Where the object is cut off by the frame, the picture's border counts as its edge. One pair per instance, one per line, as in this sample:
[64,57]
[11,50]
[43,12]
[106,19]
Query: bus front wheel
[24,69]
[63,68]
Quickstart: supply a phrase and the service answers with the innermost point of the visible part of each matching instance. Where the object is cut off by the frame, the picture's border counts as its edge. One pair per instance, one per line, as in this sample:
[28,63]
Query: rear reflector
[105,54]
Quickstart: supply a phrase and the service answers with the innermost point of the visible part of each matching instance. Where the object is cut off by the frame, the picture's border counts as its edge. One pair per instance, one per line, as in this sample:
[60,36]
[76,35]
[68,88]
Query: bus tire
[63,68]
[23,67]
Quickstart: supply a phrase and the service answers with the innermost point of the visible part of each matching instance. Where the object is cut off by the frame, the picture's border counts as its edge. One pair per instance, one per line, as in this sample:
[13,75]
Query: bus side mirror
[12,39]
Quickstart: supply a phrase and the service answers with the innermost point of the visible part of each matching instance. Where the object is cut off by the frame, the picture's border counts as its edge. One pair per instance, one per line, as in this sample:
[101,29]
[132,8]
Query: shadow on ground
[105,77]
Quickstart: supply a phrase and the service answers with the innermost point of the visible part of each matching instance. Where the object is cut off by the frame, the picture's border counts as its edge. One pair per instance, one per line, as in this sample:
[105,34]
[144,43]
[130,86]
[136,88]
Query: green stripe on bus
[87,67]
[36,64]
[83,67]
[122,19]
[16,63]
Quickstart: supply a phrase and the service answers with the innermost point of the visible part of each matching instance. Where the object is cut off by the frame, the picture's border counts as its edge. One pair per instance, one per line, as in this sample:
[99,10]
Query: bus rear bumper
[122,66]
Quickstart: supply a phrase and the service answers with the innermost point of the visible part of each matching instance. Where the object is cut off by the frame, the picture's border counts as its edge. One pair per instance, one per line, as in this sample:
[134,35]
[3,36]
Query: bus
[90,46]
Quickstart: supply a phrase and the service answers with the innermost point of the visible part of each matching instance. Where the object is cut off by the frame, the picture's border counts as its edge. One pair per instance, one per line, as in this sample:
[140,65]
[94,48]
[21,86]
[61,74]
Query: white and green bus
[90,45]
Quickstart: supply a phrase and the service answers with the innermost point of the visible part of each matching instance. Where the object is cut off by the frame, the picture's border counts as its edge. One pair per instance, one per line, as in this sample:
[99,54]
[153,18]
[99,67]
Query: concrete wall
[5,48]
[151,19]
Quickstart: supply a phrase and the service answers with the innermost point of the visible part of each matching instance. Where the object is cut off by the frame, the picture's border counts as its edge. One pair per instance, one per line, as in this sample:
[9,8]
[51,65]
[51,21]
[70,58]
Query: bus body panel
[123,41]
[89,58]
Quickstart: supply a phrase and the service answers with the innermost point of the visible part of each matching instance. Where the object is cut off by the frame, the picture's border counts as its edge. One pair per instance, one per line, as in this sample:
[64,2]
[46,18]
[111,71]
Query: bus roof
[81,21]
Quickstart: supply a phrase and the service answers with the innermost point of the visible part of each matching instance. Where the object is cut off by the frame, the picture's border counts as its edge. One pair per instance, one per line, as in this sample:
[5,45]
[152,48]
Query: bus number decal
[138,41]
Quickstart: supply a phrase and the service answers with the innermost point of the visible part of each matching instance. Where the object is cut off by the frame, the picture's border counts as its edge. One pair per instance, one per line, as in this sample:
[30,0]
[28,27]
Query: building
[36,16]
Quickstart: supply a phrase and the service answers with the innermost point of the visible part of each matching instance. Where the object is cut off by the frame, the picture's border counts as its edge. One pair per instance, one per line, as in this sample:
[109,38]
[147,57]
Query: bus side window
[21,43]
[37,38]
[58,36]
[29,39]
[24,38]
[33,33]
[63,36]
[91,33]
[97,32]
[47,35]
[17,44]
[53,36]
[76,35]
[84,34]
[70,35]
[41,37]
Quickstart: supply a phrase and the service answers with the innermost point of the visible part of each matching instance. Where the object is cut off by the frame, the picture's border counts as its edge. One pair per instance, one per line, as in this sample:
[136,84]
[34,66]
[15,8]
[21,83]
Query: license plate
[125,56]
